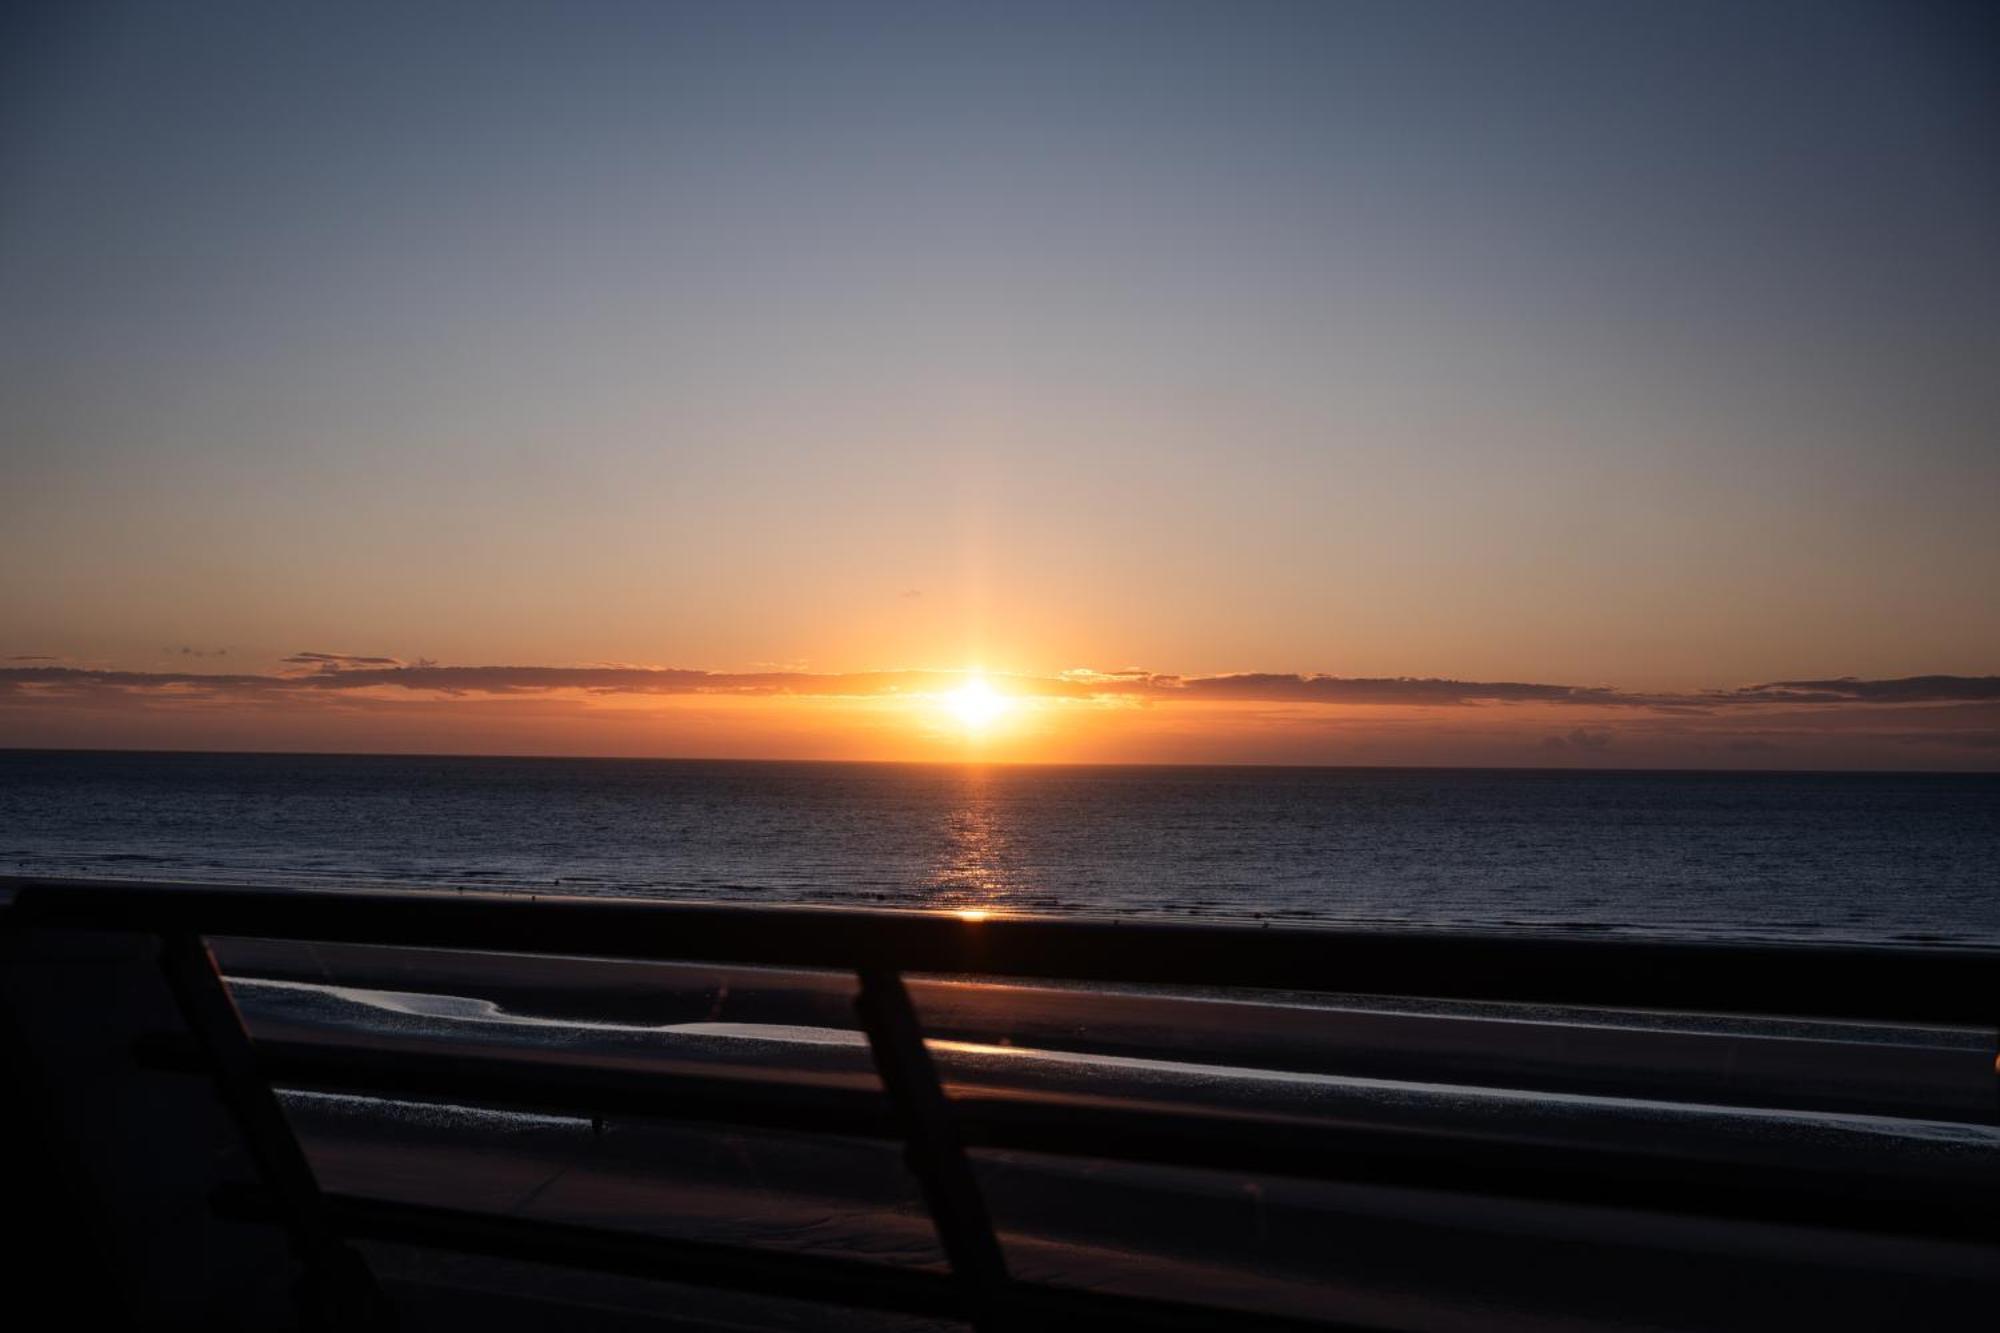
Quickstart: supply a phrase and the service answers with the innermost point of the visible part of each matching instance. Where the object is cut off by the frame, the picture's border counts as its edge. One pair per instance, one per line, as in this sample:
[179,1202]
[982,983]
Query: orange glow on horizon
[966,716]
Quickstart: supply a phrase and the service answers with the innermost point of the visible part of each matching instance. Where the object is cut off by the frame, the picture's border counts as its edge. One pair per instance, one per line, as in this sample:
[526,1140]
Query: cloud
[1967,740]
[1265,687]
[347,672]
[1585,739]
[338,661]
[1847,689]
[64,680]
[341,700]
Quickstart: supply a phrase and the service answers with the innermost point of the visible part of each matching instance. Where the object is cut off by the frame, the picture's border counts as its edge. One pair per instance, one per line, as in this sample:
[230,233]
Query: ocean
[1855,857]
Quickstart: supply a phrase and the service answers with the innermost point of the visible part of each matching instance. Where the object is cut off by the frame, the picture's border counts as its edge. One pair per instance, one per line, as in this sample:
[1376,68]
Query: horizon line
[1604,770]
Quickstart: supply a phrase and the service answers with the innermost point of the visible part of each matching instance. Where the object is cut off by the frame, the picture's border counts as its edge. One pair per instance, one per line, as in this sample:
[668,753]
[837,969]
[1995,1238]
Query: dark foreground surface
[1209,1124]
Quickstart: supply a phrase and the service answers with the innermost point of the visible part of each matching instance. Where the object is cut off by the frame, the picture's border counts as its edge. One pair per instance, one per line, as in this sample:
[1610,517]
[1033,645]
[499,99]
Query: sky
[1550,383]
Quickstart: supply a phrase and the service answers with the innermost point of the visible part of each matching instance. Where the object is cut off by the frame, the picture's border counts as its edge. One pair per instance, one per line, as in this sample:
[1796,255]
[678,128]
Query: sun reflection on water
[972,877]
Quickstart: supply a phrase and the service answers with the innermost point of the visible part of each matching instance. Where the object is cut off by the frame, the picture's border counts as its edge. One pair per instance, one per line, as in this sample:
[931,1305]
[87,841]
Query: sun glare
[976,705]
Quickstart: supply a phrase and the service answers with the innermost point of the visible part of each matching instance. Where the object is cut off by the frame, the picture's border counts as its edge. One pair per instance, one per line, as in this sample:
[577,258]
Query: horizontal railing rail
[1863,983]
[1250,1142]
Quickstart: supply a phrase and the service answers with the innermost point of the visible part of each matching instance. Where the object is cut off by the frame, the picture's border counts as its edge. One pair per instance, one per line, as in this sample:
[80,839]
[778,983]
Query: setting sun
[976,705]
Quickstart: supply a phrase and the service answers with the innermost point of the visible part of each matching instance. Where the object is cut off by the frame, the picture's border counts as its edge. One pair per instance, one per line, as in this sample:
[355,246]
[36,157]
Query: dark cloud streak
[1904,690]
[337,661]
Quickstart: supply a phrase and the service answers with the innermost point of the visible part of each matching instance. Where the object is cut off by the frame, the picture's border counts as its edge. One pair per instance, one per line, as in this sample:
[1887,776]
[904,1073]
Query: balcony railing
[1932,986]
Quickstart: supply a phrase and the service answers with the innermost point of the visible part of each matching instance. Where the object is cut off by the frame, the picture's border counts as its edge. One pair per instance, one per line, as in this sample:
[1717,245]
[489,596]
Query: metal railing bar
[1490,1167]
[1151,1134]
[931,1142]
[562,1087]
[1864,983]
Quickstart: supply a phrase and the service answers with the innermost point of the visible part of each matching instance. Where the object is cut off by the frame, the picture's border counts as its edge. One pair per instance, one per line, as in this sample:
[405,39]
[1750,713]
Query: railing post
[932,1145]
[338,1293]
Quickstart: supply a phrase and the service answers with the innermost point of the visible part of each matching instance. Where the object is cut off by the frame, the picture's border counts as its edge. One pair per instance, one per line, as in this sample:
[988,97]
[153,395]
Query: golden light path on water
[971,877]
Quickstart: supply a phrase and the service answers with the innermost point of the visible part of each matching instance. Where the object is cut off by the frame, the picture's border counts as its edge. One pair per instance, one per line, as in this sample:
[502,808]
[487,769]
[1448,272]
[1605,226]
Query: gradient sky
[1650,347]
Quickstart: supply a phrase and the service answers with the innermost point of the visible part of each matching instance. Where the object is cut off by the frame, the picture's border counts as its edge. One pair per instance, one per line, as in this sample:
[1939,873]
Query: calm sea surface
[1851,856]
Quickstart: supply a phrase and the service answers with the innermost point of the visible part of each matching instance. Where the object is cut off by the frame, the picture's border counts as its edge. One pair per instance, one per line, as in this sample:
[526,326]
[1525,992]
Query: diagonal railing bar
[932,1144]
[338,1292]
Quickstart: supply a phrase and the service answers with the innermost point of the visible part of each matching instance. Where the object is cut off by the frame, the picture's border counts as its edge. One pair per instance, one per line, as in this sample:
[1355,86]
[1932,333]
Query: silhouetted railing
[1933,986]
[1862,982]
